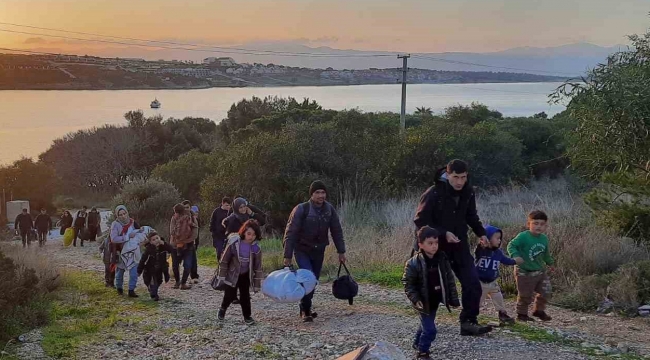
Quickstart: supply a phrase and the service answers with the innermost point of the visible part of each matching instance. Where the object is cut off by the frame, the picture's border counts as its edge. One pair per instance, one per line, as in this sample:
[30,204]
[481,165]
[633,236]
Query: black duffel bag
[344,287]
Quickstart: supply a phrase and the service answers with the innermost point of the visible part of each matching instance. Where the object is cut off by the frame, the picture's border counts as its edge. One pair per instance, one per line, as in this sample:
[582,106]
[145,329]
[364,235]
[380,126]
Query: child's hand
[519,260]
[419,305]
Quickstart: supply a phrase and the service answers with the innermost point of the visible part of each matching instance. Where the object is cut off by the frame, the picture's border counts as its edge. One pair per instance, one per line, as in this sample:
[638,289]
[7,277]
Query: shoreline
[263,86]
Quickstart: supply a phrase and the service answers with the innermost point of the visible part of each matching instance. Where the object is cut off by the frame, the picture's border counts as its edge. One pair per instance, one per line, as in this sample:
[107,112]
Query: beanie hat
[317,185]
[194,209]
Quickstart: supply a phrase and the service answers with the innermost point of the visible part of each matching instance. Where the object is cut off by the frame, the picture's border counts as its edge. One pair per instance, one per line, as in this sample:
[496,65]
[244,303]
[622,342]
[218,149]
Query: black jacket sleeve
[425,214]
[143,260]
[213,221]
[410,280]
[337,232]
[450,285]
[472,218]
[292,231]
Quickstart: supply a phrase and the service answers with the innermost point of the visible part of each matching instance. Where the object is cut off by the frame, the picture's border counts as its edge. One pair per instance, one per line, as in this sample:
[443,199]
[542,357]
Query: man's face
[226,206]
[457,181]
[43,211]
[187,208]
[319,196]
[24,211]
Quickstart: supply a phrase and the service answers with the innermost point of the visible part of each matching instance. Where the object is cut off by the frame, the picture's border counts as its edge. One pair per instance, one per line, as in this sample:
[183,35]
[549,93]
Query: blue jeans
[133,278]
[312,260]
[426,332]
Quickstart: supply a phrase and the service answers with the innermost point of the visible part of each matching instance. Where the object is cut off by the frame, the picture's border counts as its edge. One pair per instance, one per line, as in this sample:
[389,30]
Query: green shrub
[149,202]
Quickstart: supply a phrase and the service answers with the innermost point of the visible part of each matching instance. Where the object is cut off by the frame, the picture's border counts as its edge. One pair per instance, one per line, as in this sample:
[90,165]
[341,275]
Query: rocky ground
[184,326]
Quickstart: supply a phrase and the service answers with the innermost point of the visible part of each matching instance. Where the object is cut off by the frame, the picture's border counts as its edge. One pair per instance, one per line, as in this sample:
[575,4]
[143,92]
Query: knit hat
[194,209]
[317,185]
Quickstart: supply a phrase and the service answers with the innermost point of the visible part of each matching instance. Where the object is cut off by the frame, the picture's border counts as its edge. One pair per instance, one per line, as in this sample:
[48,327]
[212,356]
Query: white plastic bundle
[289,286]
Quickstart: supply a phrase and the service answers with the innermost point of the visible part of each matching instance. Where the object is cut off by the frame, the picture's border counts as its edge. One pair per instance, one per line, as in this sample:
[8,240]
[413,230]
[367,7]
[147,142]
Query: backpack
[344,287]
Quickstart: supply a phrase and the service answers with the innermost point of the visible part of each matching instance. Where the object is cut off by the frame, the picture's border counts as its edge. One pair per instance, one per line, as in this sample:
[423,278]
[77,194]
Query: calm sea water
[30,120]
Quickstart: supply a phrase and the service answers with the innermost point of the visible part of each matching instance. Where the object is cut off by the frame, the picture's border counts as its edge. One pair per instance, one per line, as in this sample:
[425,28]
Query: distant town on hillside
[68,72]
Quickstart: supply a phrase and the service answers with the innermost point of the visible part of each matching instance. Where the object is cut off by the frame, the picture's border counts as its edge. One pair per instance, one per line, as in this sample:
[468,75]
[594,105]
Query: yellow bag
[68,236]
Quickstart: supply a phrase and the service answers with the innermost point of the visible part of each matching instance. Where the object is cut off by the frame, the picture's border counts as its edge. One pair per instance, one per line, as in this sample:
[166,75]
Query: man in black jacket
[43,225]
[24,225]
[94,224]
[80,222]
[450,207]
[307,236]
[216,227]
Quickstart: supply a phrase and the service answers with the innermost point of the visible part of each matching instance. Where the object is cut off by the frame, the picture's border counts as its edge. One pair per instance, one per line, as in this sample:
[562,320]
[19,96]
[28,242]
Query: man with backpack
[449,206]
[307,236]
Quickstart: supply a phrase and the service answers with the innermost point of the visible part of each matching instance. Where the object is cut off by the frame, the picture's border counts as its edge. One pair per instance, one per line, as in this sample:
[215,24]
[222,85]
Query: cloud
[35,40]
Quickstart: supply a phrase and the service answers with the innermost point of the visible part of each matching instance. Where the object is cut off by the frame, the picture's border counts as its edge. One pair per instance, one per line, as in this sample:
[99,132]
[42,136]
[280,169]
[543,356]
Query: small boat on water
[155,104]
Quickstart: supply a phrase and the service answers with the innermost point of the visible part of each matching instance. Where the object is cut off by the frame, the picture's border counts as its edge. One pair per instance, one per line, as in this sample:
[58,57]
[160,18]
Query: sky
[387,25]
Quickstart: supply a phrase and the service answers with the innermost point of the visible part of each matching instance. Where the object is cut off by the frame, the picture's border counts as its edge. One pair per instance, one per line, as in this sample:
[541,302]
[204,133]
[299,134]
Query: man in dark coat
[94,224]
[80,222]
[23,226]
[43,225]
[216,227]
[449,206]
[307,236]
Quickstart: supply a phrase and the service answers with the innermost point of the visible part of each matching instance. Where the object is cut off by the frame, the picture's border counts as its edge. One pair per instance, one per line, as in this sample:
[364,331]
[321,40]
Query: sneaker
[542,315]
[249,321]
[524,318]
[185,287]
[306,316]
[470,328]
[222,314]
[423,356]
[132,294]
[195,281]
[236,301]
[176,285]
[120,291]
[504,319]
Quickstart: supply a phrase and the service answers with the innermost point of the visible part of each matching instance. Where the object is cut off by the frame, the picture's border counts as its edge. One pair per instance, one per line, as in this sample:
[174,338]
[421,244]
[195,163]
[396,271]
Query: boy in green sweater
[530,249]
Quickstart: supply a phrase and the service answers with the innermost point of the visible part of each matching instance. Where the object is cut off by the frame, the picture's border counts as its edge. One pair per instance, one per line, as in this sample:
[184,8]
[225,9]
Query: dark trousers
[311,260]
[78,234]
[109,276]
[92,232]
[184,256]
[42,236]
[218,242]
[194,272]
[243,284]
[462,263]
[153,287]
[25,236]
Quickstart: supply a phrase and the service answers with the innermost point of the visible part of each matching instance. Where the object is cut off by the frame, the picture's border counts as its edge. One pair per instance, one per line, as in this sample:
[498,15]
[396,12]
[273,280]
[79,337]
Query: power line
[491,66]
[221,49]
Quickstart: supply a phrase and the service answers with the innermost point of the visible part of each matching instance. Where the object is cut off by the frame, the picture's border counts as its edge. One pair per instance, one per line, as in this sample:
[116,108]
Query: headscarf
[236,205]
[128,222]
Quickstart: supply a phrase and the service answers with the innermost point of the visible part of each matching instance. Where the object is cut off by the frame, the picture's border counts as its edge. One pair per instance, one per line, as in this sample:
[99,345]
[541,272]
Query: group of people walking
[29,228]
[441,253]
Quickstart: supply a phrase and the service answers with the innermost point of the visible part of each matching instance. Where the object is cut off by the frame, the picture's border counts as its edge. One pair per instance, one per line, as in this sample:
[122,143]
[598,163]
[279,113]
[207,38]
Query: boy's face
[43,211]
[537,227]
[495,239]
[226,206]
[457,181]
[187,207]
[429,246]
[155,240]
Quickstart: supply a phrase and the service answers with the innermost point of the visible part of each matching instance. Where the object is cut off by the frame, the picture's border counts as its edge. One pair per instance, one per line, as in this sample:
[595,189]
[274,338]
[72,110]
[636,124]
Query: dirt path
[184,326]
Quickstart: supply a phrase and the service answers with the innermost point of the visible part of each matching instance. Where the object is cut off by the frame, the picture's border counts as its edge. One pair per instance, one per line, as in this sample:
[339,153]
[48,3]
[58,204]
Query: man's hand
[342,258]
[287,262]
[419,305]
[484,241]
[451,238]
[519,260]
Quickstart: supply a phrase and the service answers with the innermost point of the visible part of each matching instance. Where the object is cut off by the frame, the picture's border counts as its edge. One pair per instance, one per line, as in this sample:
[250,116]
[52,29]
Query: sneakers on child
[504,319]
[221,315]
[132,294]
[424,356]
[524,318]
[542,315]
[471,328]
[249,321]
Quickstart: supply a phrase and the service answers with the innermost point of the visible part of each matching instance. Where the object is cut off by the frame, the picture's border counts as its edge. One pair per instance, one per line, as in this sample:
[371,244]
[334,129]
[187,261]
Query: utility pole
[405,68]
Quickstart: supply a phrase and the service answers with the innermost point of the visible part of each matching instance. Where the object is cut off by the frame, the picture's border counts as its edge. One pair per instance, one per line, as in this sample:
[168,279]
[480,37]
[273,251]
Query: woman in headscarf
[66,221]
[123,237]
[242,211]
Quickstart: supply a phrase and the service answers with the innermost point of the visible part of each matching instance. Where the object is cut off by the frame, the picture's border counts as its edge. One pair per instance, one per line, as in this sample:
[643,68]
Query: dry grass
[379,235]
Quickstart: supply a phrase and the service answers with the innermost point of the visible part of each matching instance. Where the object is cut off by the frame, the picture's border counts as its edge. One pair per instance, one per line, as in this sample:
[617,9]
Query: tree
[29,180]
[612,140]
[186,173]
[471,115]
[423,111]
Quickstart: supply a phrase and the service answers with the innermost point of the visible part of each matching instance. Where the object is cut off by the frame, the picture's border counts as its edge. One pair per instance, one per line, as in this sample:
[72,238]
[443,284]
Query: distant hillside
[85,72]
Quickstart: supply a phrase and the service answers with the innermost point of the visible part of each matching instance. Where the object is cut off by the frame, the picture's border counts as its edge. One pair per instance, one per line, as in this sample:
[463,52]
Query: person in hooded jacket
[449,206]
[66,221]
[23,225]
[94,224]
[80,223]
[242,211]
[217,228]
[43,224]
